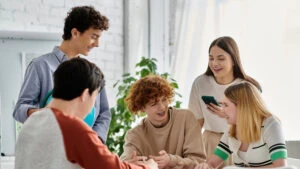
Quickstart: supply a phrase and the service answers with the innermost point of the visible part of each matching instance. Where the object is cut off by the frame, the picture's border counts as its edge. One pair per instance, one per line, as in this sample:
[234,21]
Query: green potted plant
[122,119]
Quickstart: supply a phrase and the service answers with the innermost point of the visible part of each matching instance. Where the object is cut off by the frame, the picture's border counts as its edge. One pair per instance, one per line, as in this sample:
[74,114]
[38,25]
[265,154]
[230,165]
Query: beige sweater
[181,137]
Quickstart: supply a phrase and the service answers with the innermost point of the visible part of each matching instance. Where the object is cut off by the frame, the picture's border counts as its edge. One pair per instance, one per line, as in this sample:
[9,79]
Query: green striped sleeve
[223,155]
[279,155]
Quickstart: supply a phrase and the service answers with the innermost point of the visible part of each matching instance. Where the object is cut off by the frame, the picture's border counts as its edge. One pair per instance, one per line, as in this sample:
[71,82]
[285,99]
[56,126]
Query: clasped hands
[162,160]
[203,166]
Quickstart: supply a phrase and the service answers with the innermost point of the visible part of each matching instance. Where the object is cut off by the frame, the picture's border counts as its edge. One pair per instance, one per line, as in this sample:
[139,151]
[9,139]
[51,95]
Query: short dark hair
[73,76]
[83,18]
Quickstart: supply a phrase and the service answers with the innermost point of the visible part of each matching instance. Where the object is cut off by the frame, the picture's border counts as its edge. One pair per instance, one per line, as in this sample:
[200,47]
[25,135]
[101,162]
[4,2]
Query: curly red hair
[146,89]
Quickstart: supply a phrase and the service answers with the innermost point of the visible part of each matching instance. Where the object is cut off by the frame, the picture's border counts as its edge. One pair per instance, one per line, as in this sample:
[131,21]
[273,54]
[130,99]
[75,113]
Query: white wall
[129,24]
[269,46]
[48,16]
[136,32]
[159,34]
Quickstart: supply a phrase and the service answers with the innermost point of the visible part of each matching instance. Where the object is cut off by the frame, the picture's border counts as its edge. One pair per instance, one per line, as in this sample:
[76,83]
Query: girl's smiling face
[221,64]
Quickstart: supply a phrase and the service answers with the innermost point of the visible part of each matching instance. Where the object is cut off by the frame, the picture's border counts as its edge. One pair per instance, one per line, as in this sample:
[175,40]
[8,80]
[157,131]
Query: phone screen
[210,99]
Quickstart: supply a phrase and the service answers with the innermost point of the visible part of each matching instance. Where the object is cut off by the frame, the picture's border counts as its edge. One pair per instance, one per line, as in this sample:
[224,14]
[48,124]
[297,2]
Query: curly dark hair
[83,18]
[146,89]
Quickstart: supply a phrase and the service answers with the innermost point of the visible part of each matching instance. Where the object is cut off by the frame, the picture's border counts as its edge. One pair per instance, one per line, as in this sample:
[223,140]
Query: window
[13,46]
[268,35]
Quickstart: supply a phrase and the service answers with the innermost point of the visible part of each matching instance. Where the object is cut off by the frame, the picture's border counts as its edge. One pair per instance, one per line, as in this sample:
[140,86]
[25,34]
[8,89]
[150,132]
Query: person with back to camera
[255,137]
[82,29]
[224,69]
[168,135]
[57,137]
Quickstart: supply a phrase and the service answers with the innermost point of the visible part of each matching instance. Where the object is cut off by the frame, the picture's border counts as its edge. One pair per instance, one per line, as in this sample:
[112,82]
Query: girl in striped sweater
[255,138]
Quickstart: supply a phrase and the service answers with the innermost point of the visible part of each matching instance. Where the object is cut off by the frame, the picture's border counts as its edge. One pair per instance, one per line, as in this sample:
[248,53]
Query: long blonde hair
[251,112]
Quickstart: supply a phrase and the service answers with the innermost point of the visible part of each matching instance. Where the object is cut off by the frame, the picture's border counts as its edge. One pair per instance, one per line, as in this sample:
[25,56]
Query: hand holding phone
[210,99]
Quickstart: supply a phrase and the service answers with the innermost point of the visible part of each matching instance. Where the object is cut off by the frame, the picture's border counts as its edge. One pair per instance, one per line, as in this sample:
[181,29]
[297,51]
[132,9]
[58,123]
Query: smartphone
[210,99]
